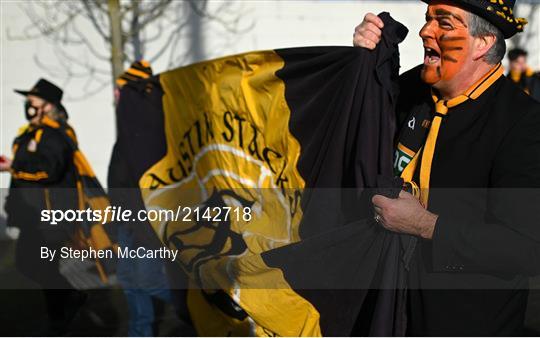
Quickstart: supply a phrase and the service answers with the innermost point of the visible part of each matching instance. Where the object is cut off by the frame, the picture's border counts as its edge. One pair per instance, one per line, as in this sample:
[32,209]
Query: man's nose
[427,30]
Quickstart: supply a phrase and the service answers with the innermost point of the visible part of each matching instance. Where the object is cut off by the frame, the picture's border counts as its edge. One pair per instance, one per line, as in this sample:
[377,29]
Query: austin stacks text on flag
[290,139]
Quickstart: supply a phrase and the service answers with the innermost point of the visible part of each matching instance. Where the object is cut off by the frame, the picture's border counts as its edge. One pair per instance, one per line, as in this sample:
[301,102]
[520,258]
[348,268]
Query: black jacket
[471,278]
[530,83]
[43,176]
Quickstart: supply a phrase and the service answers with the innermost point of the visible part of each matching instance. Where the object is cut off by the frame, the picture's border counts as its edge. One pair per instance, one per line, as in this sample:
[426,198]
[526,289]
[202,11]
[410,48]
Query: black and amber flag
[287,141]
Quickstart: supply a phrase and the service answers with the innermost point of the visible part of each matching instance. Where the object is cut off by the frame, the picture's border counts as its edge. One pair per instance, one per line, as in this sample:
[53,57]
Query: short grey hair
[479,27]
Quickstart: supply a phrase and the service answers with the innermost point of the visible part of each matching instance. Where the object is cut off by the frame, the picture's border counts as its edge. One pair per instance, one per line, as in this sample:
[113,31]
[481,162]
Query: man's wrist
[426,225]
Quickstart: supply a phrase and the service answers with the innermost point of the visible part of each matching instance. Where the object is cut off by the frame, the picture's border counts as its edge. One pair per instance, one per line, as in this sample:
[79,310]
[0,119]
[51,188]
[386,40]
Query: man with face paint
[469,149]
[43,177]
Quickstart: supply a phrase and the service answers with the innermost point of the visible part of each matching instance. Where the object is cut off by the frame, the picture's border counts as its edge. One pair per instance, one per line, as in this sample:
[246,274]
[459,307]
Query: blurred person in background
[43,177]
[523,75]
[143,281]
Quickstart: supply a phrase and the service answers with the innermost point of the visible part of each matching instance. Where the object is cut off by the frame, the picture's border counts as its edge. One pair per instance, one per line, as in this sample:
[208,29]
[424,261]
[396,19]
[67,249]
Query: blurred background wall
[204,30]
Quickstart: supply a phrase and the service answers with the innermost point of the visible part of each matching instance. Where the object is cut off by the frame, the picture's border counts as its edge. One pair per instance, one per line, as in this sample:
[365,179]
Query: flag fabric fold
[296,139]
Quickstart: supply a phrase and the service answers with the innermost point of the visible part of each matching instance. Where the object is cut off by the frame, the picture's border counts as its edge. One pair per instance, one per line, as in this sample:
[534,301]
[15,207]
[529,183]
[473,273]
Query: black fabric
[24,203]
[28,260]
[140,143]
[141,133]
[51,155]
[471,278]
[531,84]
[354,275]
[27,198]
[342,102]
[350,141]
[343,253]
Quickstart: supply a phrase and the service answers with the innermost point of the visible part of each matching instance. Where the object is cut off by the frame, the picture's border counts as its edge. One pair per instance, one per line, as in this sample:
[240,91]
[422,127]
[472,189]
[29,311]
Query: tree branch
[169,40]
[94,21]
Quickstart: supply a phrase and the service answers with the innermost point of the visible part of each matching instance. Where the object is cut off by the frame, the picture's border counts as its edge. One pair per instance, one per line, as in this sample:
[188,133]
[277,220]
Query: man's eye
[446,24]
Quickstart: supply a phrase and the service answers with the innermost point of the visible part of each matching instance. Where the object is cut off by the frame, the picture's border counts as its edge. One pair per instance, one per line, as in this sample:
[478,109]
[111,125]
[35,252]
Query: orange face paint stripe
[449,58]
[454,48]
[452,38]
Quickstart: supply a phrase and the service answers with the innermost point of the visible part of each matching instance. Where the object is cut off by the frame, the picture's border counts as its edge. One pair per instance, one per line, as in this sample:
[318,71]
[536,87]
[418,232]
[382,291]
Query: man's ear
[482,45]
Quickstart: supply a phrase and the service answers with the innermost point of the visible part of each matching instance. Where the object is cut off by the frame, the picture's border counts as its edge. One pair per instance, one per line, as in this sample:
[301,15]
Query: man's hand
[5,163]
[404,214]
[368,33]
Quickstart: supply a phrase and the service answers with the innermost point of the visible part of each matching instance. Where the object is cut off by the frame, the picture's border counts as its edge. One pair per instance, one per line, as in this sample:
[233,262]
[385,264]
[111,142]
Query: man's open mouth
[431,56]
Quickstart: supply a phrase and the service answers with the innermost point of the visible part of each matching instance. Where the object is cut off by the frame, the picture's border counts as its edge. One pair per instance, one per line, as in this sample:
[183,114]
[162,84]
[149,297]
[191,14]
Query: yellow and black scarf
[90,194]
[418,144]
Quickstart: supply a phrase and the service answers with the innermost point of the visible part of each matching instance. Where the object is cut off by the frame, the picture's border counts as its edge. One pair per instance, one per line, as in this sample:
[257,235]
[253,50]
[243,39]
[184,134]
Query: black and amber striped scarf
[90,194]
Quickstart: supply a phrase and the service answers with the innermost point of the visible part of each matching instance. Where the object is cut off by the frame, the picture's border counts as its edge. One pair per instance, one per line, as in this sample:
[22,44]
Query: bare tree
[114,33]
[529,38]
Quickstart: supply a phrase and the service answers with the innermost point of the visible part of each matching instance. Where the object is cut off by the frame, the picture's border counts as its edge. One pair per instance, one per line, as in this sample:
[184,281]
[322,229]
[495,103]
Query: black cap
[500,13]
[47,91]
